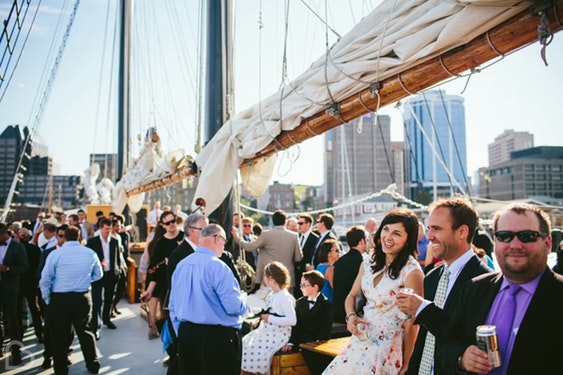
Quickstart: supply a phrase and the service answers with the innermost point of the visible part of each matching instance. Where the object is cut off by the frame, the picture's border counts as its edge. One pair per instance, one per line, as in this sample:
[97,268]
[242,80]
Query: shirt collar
[314,299]
[193,245]
[458,264]
[530,286]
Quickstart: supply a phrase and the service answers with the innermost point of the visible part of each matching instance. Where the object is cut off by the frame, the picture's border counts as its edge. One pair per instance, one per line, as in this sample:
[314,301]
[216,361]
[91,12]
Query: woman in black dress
[157,284]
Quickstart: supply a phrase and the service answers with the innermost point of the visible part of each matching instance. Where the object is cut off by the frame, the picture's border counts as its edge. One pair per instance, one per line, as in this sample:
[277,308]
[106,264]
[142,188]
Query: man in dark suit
[451,225]
[307,242]
[520,302]
[13,263]
[29,282]
[324,227]
[346,269]
[107,249]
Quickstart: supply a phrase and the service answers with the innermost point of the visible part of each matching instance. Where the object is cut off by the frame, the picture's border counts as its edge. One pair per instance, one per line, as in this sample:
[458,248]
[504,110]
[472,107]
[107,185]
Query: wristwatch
[460,368]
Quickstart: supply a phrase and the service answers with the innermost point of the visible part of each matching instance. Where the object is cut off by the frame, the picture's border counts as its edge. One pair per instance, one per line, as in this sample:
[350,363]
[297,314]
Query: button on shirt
[204,291]
[105,248]
[71,268]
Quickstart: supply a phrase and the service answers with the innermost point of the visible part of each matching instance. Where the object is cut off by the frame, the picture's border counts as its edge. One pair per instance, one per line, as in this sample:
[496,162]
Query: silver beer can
[487,340]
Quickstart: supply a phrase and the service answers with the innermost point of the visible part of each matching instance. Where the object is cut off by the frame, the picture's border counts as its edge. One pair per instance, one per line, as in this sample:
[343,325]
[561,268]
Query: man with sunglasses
[520,302]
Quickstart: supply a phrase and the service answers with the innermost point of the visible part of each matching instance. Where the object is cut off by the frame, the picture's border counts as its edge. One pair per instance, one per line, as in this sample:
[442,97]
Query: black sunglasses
[169,222]
[525,236]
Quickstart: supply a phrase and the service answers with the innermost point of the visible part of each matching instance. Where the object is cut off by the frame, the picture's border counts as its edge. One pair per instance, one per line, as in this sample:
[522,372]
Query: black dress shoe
[15,358]
[115,310]
[46,363]
[93,367]
[110,325]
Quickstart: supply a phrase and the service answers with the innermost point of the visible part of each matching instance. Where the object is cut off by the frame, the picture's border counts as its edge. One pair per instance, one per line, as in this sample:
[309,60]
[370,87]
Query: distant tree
[423,197]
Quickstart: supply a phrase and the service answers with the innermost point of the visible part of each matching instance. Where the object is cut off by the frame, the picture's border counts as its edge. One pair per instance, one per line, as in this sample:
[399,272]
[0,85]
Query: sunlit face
[303,226]
[81,216]
[169,223]
[291,225]
[195,231]
[60,237]
[393,239]
[441,235]
[333,254]
[307,289]
[521,262]
[247,227]
[105,230]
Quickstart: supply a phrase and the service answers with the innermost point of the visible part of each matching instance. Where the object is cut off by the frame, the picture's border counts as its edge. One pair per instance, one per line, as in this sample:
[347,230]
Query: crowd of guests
[403,319]
[70,274]
[410,295]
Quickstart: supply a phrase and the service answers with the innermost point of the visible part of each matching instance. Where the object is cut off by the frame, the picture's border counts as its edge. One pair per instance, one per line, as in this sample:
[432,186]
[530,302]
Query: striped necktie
[427,358]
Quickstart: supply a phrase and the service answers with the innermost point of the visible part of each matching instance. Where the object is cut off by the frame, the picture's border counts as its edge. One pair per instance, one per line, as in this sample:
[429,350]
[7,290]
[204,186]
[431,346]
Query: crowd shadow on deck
[125,350]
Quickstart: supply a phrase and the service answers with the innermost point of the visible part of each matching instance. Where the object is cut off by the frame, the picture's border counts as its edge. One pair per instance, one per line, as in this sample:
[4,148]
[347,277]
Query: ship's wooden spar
[515,33]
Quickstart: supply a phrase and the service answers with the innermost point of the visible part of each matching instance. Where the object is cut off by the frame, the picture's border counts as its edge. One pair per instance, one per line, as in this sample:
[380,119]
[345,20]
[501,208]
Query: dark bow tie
[311,302]
[3,243]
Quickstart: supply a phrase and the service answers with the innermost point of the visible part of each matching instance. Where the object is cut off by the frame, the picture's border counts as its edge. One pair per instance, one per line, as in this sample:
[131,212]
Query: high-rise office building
[435,144]
[504,144]
[360,159]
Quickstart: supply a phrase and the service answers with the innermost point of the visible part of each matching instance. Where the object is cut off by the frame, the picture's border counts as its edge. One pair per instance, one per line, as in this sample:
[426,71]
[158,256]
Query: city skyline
[516,93]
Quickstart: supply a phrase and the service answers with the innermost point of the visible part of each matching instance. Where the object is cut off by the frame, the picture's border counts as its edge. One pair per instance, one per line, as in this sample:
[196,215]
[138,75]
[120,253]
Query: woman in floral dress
[260,345]
[376,346]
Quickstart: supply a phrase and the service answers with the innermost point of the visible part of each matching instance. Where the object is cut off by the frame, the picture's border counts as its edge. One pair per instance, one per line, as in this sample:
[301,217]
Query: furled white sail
[397,35]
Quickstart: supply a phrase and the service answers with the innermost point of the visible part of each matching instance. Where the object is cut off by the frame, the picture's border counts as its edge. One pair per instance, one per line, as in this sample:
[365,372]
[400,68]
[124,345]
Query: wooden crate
[289,364]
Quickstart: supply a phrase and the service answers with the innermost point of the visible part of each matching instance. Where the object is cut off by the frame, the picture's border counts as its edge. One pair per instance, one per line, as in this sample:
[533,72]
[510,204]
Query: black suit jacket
[345,271]
[434,319]
[308,248]
[535,350]
[183,250]
[312,324]
[95,243]
[16,260]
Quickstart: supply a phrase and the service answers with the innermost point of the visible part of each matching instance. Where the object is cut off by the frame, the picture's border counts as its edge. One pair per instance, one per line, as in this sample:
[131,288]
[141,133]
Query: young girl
[260,345]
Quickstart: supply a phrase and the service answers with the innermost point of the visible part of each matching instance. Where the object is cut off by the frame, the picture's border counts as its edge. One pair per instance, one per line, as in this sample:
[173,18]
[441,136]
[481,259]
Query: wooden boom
[509,36]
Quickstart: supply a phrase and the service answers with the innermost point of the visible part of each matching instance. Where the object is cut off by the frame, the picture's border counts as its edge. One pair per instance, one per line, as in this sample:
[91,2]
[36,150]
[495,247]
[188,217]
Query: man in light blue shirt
[65,287]
[207,308]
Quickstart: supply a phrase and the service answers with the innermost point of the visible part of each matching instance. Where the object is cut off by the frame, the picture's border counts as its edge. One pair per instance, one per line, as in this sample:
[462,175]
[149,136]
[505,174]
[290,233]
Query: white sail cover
[412,30]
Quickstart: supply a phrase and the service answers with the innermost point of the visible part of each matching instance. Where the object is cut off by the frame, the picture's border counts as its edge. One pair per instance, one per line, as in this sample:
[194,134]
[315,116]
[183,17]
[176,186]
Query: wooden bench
[290,363]
[319,354]
[330,348]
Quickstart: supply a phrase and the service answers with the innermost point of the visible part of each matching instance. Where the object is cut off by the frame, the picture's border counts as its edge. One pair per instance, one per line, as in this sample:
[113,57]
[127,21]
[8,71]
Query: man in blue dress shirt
[65,287]
[207,308]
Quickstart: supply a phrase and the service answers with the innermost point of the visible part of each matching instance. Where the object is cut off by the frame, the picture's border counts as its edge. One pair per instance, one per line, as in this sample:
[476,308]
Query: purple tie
[504,323]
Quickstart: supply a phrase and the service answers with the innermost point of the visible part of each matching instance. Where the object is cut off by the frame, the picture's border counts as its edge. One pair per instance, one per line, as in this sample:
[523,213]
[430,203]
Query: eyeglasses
[300,223]
[525,236]
[304,285]
[195,228]
[60,235]
[221,237]
[166,223]
[247,225]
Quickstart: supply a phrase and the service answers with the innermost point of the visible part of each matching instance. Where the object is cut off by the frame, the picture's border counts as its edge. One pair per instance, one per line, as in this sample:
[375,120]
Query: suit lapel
[467,273]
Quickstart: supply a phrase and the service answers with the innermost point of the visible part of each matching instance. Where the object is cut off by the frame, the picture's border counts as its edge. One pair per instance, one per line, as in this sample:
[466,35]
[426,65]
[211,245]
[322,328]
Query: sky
[79,117]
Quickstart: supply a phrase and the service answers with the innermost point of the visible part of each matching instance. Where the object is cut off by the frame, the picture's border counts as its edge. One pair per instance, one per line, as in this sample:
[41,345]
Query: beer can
[487,340]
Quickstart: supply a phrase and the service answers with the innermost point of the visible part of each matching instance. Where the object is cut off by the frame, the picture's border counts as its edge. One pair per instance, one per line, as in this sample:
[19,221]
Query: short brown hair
[314,277]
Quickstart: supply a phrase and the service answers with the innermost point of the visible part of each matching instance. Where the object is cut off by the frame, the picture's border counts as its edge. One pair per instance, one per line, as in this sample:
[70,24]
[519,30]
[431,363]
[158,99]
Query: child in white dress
[260,345]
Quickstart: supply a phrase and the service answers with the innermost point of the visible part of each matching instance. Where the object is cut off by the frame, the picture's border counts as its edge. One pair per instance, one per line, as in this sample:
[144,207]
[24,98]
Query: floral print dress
[382,352]
[260,345]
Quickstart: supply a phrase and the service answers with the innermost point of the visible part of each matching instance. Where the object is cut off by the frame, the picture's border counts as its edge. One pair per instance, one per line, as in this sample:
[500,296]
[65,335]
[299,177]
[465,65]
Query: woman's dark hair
[410,223]
[326,247]
[159,231]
